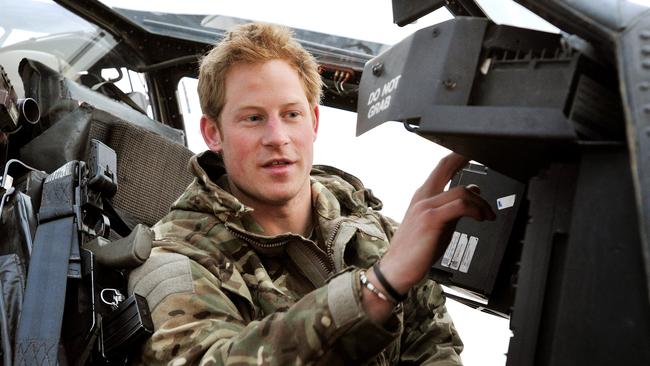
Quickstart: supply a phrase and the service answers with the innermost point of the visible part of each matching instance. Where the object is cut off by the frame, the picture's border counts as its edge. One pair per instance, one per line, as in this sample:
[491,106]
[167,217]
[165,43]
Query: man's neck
[294,216]
[279,220]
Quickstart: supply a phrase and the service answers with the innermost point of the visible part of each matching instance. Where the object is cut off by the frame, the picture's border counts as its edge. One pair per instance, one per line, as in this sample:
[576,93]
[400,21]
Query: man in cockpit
[266,259]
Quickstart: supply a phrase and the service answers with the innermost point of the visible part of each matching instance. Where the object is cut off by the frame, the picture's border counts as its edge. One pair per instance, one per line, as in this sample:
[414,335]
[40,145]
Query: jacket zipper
[248,239]
[329,244]
[326,263]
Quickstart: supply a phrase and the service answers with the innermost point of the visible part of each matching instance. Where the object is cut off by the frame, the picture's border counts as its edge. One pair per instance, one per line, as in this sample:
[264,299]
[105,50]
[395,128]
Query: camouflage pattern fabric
[224,293]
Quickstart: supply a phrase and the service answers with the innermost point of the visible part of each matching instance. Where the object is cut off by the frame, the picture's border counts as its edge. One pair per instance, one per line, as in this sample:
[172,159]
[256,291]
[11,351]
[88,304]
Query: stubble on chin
[255,195]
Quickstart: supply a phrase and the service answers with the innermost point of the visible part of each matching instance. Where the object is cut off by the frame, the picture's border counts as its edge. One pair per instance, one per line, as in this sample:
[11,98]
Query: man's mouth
[275,163]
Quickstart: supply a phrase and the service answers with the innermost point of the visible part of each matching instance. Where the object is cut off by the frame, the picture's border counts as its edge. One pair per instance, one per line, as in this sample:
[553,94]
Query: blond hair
[254,43]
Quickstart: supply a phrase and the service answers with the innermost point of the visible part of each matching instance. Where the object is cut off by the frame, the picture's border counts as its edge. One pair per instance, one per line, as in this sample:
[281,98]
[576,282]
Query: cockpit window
[46,32]
[362,27]
[202,24]
[22,20]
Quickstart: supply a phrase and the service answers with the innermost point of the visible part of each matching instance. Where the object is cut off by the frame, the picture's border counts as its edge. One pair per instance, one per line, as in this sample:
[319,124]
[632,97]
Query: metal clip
[117,297]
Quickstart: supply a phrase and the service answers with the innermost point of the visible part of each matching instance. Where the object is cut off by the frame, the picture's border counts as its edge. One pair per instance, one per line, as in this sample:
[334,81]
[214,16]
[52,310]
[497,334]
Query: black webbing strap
[37,340]
[39,329]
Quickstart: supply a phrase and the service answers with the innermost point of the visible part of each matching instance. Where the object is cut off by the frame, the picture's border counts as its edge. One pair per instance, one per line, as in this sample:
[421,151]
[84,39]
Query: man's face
[266,133]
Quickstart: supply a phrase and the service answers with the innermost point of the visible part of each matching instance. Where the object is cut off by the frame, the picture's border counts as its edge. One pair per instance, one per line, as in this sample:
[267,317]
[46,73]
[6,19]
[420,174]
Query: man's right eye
[253,118]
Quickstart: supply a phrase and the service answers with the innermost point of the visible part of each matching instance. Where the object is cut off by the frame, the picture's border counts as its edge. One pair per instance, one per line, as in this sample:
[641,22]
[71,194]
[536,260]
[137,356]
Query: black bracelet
[391,291]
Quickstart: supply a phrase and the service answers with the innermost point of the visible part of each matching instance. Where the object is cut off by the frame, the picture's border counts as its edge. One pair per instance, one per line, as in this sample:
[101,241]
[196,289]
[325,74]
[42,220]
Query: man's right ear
[210,133]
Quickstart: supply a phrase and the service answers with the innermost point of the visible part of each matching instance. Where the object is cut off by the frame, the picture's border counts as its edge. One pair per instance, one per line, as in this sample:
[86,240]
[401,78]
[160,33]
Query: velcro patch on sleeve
[342,301]
[161,275]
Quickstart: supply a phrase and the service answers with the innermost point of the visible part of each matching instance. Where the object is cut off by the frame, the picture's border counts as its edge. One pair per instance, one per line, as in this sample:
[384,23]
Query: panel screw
[645,34]
[449,84]
[435,32]
[378,69]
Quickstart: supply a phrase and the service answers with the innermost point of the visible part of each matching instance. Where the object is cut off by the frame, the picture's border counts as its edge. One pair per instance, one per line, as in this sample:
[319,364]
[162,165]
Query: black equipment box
[479,260]
[128,324]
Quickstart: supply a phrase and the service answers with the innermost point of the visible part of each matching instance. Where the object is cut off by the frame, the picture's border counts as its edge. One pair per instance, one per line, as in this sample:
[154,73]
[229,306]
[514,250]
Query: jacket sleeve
[429,337]
[198,321]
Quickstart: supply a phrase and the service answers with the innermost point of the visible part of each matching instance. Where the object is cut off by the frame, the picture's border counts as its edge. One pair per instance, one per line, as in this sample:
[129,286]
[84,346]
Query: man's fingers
[466,196]
[440,176]
[425,232]
[477,209]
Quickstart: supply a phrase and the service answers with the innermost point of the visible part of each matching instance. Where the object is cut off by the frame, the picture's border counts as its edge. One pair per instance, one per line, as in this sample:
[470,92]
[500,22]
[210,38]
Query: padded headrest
[151,169]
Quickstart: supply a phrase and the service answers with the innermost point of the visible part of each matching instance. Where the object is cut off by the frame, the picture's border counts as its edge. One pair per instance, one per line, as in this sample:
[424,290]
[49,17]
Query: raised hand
[428,224]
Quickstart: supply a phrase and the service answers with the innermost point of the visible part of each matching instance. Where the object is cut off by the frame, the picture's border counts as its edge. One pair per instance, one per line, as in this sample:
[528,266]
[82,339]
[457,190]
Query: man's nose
[276,132]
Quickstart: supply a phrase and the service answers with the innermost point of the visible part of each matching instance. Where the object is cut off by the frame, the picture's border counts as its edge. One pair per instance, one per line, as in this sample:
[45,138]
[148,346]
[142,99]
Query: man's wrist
[397,275]
[365,282]
[376,308]
[395,295]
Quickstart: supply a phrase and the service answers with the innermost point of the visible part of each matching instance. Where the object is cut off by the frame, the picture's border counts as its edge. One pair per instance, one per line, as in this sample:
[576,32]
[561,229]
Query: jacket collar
[335,193]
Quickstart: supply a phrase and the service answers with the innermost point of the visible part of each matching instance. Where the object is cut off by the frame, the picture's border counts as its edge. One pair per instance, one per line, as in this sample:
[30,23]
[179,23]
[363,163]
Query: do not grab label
[379,99]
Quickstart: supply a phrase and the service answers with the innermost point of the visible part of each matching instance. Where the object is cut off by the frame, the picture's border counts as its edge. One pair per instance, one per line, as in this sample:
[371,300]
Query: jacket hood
[205,193]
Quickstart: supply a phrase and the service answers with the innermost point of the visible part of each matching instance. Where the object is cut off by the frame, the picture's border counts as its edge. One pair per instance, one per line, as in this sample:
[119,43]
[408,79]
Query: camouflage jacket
[223,293]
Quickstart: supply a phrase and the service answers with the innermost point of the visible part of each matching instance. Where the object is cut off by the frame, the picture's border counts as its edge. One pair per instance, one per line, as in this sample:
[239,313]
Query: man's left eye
[293,114]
